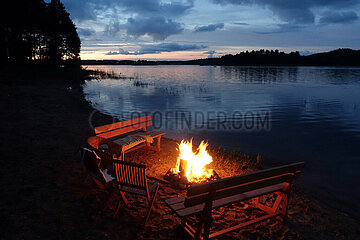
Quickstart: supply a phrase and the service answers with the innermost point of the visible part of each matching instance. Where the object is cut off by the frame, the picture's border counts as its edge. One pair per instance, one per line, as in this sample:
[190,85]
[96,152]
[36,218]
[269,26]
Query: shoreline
[42,176]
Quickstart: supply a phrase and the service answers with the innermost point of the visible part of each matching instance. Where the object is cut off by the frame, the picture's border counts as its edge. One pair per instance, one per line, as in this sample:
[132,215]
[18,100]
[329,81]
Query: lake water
[286,114]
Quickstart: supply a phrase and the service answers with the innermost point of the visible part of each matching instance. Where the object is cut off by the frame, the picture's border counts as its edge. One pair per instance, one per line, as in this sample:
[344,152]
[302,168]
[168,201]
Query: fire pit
[191,166]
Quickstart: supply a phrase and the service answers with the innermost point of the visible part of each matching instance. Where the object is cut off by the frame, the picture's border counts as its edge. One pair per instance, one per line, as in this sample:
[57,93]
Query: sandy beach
[42,179]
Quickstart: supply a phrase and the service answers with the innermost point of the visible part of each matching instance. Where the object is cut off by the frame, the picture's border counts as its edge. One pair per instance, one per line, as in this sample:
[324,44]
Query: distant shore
[45,119]
[339,57]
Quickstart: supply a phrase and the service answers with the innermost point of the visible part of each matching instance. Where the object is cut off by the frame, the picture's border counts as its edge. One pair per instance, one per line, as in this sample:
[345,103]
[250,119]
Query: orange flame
[196,161]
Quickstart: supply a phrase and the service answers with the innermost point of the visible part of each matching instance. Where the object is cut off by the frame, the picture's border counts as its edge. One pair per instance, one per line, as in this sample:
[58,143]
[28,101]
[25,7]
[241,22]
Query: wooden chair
[131,178]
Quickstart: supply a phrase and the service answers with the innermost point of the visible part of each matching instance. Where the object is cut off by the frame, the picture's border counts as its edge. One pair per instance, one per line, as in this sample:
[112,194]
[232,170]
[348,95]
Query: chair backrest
[92,164]
[106,156]
[131,174]
[116,129]
[226,187]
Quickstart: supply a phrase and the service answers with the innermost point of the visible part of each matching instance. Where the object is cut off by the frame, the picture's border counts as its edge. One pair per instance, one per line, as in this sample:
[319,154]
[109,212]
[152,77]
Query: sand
[43,124]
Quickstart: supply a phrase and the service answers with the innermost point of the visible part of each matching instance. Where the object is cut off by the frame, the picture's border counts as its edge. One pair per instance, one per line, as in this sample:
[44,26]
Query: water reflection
[260,75]
[315,112]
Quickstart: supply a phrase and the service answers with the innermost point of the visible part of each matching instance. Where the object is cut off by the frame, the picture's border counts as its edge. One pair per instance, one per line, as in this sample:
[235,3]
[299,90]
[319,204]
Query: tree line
[33,31]
[339,57]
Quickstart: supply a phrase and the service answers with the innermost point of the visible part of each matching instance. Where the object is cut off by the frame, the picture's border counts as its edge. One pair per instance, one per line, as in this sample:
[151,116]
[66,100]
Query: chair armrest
[114,150]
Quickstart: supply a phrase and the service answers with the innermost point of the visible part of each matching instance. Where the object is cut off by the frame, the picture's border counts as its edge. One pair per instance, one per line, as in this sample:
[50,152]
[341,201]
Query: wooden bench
[131,134]
[202,198]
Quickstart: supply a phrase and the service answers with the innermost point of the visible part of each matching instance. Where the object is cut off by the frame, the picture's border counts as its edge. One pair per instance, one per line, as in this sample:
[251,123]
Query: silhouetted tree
[340,57]
[64,42]
[34,31]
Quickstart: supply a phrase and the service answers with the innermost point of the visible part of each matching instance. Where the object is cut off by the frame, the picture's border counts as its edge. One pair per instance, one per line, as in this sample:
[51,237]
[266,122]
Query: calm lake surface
[286,114]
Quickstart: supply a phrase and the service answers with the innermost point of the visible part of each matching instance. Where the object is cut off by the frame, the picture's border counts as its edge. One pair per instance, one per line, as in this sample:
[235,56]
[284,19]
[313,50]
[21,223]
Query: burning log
[190,166]
[181,181]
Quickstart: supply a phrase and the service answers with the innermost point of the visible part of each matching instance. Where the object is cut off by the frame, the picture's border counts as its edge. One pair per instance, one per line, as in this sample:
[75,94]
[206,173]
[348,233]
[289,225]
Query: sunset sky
[191,29]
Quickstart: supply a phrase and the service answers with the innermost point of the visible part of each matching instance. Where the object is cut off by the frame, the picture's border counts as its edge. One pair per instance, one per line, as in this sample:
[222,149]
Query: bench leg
[207,219]
[284,209]
[281,197]
[286,196]
[267,209]
[207,225]
[157,146]
[158,140]
[199,229]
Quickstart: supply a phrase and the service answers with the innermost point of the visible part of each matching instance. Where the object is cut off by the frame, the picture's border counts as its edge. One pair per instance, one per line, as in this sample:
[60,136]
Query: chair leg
[108,198]
[151,205]
[122,199]
[87,178]
[117,209]
[86,195]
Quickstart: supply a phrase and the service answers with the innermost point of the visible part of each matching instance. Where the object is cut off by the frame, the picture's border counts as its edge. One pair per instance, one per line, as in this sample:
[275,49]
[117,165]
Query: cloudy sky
[191,29]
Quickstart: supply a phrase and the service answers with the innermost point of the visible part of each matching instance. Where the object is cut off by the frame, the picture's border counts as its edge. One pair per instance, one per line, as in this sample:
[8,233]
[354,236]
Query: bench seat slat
[129,141]
[181,211]
[175,200]
[151,133]
[133,190]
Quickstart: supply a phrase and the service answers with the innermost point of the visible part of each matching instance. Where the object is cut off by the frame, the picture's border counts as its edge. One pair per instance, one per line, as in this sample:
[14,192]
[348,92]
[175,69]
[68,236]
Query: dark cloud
[159,48]
[89,9]
[338,17]
[158,28]
[149,17]
[293,11]
[209,28]
[211,53]
[169,47]
[282,28]
[112,29]
[85,31]
[241,23]
[156,7]
[86,9]
[121,52]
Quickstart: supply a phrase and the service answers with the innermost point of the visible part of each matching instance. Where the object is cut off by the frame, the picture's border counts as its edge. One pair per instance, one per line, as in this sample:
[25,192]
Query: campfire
[191,167]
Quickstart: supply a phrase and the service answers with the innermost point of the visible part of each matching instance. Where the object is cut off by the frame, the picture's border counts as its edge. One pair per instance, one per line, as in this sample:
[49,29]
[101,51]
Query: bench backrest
[118,128]
[226,187]
[129,174]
